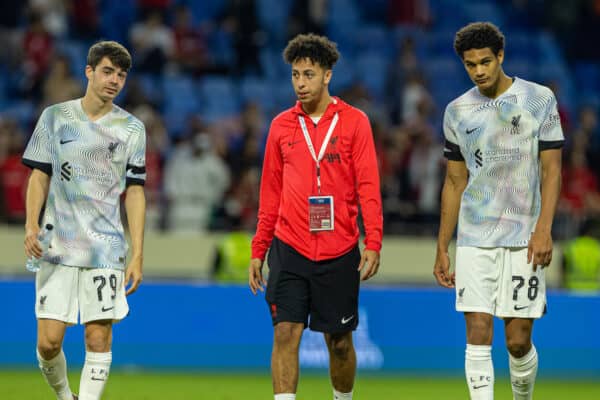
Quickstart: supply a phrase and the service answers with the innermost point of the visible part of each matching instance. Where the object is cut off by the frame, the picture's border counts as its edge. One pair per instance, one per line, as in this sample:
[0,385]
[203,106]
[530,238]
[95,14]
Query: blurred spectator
[153,43]
[151,6]
[37,52]
[240,20]
[195,181]
[60,85]
[415,95]
[405,67]
[53,15]
[246,152]
[157,143]
[581,260]
[587,137]
[408,12]
[84,19]
[307,16]
[11,15]
[13,174]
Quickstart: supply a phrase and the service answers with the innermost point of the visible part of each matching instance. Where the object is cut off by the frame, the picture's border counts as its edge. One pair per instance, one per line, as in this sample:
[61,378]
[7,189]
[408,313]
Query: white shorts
[500,282]
[63,291]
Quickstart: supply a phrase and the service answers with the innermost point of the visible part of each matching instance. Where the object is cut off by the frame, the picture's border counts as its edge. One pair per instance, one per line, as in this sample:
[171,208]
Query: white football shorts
[95,293]
[500,282]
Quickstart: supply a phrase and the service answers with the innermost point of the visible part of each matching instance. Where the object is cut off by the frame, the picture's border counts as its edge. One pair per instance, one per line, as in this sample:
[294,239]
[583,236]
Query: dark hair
[478,35]
[316,48]
[116,53]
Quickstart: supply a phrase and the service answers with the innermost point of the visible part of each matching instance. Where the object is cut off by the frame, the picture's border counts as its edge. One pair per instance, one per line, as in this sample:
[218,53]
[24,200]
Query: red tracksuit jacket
[348,172]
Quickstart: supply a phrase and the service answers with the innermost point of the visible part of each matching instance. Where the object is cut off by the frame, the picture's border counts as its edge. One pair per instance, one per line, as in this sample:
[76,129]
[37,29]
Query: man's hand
[32,244]
[441,269]
[255,277]
[539,249]
[133,275]
[369,262]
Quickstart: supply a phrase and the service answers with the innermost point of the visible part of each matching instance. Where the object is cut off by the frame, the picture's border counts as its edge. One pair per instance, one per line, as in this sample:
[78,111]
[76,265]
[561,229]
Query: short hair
[478,35]
[116,53]
[318,49]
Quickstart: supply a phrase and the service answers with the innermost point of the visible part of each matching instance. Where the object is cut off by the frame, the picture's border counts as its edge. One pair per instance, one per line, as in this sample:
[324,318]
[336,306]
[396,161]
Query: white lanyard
[311,148]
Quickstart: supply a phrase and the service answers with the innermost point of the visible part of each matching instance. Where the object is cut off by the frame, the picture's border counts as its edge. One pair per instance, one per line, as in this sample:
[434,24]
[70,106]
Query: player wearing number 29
[319,164]
[503,144]
[84,153]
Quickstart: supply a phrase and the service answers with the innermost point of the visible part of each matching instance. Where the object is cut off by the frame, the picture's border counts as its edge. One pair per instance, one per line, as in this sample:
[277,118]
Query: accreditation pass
[320,213]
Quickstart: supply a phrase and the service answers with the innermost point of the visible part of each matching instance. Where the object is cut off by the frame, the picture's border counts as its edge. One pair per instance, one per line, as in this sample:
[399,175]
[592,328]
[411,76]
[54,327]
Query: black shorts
[326,290]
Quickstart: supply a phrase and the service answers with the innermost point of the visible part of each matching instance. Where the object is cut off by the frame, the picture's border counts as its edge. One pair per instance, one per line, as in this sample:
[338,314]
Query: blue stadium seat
[76,53]
[343,75]
[181,101]
[205,10]
[258,90]
[373,38]
[219,98]
[116,17]
[273,16]
[372,71]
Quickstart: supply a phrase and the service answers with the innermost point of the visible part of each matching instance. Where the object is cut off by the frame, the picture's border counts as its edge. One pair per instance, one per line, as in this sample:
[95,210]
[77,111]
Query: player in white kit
[84,154]
[503,145]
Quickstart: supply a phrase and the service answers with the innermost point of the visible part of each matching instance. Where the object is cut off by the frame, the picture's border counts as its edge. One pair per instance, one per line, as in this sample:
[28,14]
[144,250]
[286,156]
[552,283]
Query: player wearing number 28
[84,154]
[319,164]
[503,144]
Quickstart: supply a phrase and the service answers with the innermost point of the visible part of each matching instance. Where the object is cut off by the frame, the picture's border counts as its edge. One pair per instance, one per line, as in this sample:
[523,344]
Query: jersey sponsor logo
[515,124]
[469,131]
[478,158]
[333,157]
[66,171]
[346,320]
[66,141]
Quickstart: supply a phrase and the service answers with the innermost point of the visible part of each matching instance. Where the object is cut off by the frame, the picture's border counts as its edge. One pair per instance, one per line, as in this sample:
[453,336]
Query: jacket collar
[335,106]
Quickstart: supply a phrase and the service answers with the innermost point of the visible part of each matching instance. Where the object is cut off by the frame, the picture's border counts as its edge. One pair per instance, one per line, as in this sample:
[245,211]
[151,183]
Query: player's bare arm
[135,206]
[37,191]
[255,277]
[540,245]
[455,182]
[369,264]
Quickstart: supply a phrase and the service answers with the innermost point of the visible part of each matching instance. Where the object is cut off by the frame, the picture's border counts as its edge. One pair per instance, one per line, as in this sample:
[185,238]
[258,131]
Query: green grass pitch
[236,386]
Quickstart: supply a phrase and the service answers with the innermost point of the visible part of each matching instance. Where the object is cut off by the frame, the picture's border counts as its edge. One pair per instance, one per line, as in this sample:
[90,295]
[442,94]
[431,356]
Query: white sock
[94,375]
[285,396]
[522,374]
[55,372]
[480,372]
[341,396]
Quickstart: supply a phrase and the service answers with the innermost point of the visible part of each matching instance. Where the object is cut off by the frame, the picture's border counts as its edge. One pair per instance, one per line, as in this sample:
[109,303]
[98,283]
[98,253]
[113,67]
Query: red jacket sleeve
[367,180]
[270,195]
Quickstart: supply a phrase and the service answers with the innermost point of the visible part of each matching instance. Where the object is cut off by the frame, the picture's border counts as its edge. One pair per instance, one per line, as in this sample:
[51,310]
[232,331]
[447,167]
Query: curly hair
[116,53]
[316,48]
[478,35]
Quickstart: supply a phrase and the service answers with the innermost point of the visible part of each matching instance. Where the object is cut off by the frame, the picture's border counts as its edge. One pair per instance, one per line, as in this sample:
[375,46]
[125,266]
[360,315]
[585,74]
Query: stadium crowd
[208,77]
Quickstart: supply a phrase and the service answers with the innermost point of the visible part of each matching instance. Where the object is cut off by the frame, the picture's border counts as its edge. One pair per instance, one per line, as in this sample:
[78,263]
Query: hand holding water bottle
[36,244]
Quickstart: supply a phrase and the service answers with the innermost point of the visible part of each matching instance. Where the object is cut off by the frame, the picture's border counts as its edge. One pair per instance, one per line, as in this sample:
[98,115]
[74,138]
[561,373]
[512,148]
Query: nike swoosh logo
[479,387]
[104,309]
[346,320]
[293,143]
[97,379]
[66,141]
[517,308]
[469,131]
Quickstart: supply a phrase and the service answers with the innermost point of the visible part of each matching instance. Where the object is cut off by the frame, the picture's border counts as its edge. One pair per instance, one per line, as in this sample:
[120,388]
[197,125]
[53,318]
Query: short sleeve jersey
[500,141]
[90,164]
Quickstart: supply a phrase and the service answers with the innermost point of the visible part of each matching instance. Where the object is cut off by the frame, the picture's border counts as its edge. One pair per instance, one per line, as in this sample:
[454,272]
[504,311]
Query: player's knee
[517,347]
[49,348]
[287,335]
[340,346]
[479,331]
[97,341]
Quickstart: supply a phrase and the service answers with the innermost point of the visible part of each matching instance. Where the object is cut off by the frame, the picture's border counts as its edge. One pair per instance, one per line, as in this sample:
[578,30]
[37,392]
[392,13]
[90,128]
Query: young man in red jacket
[319,165]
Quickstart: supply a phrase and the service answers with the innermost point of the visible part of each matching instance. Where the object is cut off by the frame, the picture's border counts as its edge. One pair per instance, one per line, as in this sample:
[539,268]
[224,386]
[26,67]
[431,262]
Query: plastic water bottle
[33,263]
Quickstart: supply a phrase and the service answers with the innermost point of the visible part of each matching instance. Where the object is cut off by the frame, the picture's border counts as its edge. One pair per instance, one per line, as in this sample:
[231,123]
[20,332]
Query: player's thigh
[287,292]
[334,288]
[477,279]
[102,295]
[522,293]
[56,293]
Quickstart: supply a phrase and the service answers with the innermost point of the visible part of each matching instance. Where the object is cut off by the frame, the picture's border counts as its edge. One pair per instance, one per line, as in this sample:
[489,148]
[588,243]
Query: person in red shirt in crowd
[13,174]
[319,164]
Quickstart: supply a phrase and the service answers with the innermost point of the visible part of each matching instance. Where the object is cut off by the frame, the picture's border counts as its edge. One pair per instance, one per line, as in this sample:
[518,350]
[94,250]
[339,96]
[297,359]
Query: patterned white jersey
[500,141]
[90,164]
